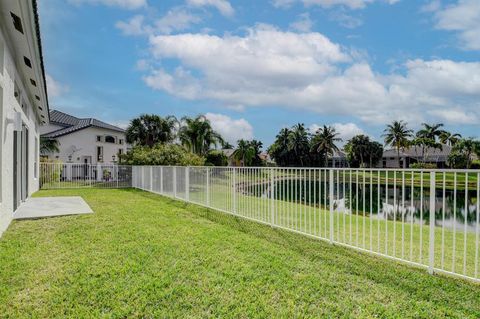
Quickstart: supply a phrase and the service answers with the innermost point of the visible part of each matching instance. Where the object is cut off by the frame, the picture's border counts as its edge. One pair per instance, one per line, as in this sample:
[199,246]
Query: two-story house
[84,140]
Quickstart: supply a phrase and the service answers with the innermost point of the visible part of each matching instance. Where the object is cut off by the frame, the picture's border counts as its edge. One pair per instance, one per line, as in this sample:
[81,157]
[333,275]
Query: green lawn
[142,255]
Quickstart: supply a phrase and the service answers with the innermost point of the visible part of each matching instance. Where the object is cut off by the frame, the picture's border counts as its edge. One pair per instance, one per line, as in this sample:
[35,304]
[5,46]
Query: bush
[216,158]
[161,154]
[423,165]
[475,164]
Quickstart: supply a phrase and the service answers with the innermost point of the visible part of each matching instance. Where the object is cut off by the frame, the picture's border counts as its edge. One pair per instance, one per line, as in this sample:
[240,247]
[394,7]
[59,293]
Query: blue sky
[256,66]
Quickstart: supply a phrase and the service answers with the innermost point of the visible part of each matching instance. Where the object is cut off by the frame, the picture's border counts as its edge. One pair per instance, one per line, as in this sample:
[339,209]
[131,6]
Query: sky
[254,67]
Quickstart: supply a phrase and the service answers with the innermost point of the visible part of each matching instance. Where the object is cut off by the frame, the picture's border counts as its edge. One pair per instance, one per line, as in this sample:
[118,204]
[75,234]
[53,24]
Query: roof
[39,44]
[70,124]
[418,152]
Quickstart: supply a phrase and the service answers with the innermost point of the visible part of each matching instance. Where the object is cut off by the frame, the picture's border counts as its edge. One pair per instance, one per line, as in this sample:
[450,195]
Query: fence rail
[74,175]
[428,218]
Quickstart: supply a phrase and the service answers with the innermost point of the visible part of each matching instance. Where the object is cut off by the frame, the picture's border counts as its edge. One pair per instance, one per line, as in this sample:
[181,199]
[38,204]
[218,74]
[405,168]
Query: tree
[427,137]
[361,150]
[161,154]
[279,150]
[227,146]
[449,138]
[197,135]
[216,158]
[257,148]
[462,152]
[397,135]
[48,145]
[150,129]
[244,152]
[298,142]
[323,142]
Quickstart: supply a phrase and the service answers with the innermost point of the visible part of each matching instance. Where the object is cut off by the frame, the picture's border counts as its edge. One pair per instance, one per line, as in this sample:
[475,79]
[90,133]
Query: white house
[23,104]
[84,140]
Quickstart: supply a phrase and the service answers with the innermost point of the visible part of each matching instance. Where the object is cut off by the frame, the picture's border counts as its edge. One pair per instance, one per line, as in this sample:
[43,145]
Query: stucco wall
[8,107]
[84,143]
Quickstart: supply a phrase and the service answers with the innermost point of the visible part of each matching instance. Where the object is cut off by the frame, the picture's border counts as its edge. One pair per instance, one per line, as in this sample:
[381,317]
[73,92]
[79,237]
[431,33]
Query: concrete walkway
[41,207]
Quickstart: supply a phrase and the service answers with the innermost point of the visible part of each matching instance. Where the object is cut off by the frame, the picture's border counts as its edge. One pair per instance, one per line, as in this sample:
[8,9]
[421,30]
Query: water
[393,202]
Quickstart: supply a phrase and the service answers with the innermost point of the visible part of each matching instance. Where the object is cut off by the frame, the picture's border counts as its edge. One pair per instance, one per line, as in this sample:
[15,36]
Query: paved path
[41,207]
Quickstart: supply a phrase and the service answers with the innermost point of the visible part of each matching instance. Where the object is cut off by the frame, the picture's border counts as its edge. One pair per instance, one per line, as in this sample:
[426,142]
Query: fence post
[272,197]
[234,190]
[208,186]
[151,178]
[330,197]
[161,179]
[431,255]
[187,183]
[143,178]
[174,182]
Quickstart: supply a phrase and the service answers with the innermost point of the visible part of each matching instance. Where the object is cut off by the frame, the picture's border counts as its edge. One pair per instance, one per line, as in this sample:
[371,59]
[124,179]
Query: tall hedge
[161,154]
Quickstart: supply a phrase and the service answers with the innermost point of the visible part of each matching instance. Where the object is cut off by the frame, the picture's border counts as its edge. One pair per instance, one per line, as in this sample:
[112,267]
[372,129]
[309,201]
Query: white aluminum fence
[74,175]
[428,218]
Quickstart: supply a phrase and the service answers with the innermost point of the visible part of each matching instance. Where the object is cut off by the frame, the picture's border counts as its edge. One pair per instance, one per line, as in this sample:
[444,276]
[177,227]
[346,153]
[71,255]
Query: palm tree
[430,131]
[467,147]
[298,141]
[48,145]
[279,150]
[244,152]
[397,135]
[449,138]
[150,129]
[198,135]
[227,146]
[427,138]
[323,142]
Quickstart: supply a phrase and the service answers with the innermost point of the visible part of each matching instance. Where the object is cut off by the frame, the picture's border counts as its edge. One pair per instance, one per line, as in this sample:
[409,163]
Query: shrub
[216,158]
[161,154]
[423,165]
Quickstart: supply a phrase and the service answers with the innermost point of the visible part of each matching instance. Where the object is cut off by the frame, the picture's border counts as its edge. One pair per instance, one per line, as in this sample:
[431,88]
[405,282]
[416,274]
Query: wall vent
[17,22]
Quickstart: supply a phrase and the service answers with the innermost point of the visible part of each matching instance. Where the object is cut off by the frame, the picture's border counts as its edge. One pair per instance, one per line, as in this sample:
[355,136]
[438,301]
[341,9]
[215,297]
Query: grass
[143,255]
[404,240]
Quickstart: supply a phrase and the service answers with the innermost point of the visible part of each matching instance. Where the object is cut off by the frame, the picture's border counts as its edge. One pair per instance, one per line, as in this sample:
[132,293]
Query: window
[120,141]
[120,151]
[100,153]
[109,139]
[32,81]
[99,138]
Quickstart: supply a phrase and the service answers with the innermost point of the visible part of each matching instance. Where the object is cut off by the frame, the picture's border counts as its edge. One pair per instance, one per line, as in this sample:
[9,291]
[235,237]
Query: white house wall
[8,107]
[85,143]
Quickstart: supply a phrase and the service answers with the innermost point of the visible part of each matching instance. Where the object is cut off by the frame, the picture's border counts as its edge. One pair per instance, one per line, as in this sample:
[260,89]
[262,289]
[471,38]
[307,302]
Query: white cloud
[134,26]
[303,23]
[125,4]
[351,4]
[231,130]
[455,116]
[307,71]
[175,19]
[55,88]
[346,20]
[464,18]
[223,6]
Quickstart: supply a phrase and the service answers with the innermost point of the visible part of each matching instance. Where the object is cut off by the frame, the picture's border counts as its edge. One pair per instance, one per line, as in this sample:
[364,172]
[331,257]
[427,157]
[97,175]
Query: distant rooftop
[70,124]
